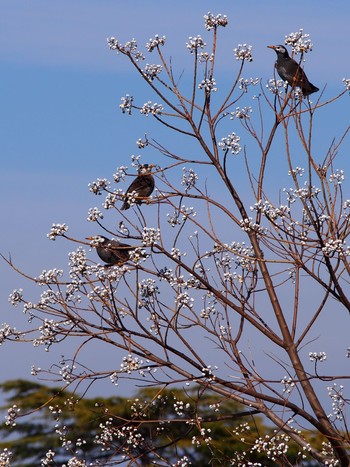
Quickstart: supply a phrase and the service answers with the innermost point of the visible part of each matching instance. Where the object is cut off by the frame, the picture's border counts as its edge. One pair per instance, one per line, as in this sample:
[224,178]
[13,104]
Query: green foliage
[172,424]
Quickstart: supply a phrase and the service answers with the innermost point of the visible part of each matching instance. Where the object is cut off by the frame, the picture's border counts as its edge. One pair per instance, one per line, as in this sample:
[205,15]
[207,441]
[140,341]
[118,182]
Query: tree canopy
[232,263]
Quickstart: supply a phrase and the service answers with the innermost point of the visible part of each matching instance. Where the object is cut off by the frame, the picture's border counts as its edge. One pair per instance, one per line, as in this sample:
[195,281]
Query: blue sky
[61,86]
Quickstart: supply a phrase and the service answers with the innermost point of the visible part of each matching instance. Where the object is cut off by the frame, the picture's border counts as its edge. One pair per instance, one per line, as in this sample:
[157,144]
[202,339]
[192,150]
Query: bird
[289,70]
[112,252]
[142,186]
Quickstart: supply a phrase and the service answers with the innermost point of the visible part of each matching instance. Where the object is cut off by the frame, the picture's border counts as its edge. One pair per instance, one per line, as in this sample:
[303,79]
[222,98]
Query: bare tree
[222,259]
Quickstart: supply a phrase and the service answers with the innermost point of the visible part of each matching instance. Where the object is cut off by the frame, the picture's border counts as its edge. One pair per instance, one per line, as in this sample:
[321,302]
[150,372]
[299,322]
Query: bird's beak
[88,238]
[271,46]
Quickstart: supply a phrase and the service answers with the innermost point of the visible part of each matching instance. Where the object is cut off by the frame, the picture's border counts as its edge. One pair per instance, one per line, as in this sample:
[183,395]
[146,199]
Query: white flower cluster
[317,356]
[179,407]
[122,229]
[99,293]
[129,48]
[245,83]
[28,306]
[77,262]
[189,178]
[183,462]
[12,414]
[34,371]
[233,277]
[120,173]
[297,171]
[241,428]
[231,143]
[110,200]
[48,333]
[155,42]
[205,57]
[16,297]
[96,187]
[184,300]
[6,331]
[243,52]
[338,402]
[207,311]
[138,255]
[328,452]
[150,236]
[211,21]
[75,462]
[131,197]
[66,372]
[114,378]
[208,373]
[109,274]
[142,143]
[55,411]
[148,288]
[204,437]
[195,43]
[167,275]
[152,71]
[57,230]
[49,277]
[151,108]
[216,408]
[241,113]
[346,207]
[244,254]
[106,435]
[304,193]
[131,435]
[323,218]
[346,82]
[127,104]
[208,84]
[5,458]
[174,219]
[288,384]
[270,212]
[276,86]
[48,460]
[336,246]
[135,160]
[94,214]
[274,446]
[176,253]
[248,225]
[337,177]
[130,364]
[178,217]
[299,42]
[47,298]
[138,408]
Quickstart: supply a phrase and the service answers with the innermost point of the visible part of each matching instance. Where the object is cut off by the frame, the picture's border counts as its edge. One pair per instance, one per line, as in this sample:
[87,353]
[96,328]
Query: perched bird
[289,70]
[142,186]
[112,252]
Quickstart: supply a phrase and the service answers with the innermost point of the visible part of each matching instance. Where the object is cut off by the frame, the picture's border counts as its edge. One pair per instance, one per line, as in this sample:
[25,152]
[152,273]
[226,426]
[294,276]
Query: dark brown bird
[289,70]
[142,186]
[112,252]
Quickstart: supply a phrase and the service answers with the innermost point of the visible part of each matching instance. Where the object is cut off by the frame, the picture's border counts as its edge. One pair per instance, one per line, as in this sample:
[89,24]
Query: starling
[142,186]
[112,252]
[289,70]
